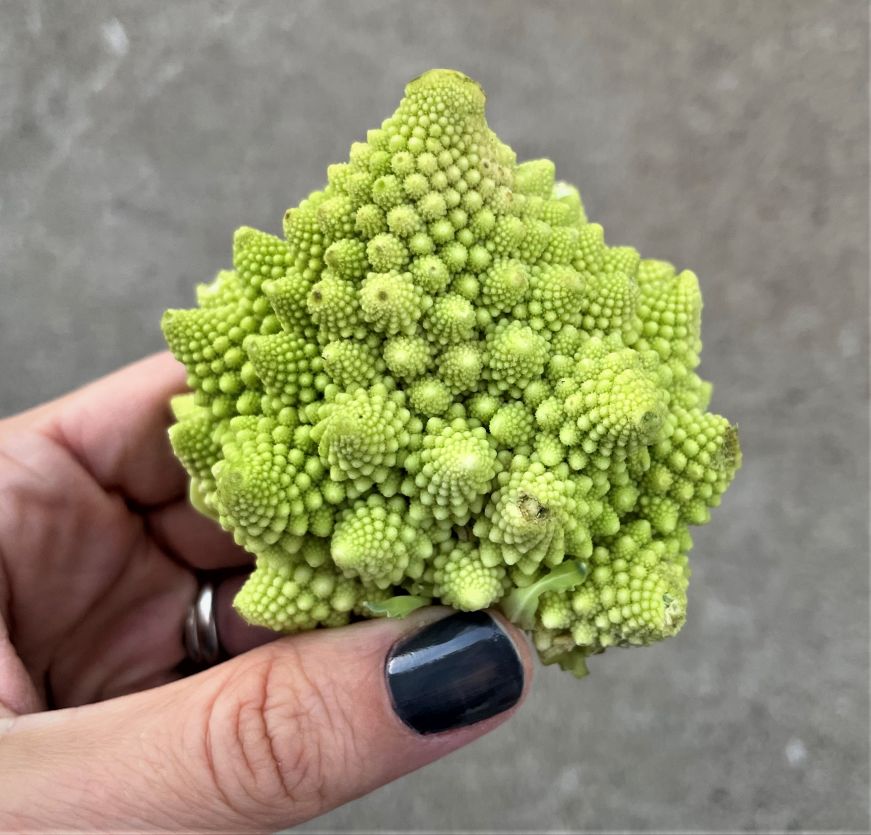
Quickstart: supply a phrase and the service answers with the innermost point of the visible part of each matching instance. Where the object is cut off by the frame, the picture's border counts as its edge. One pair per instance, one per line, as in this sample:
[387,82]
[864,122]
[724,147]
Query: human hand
[99,558]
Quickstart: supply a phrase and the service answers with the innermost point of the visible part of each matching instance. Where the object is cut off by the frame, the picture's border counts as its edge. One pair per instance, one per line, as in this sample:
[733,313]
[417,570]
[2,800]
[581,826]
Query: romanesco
[441,385]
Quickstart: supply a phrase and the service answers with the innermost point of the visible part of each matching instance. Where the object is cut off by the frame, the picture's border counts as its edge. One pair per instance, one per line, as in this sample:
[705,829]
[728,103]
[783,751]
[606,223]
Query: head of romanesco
[443,385]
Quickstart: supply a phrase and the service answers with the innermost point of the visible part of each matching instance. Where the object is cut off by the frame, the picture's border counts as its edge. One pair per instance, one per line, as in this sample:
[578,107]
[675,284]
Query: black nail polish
[454,672]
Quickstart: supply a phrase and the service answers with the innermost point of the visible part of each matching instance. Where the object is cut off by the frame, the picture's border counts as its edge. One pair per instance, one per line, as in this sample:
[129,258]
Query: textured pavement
[730,137]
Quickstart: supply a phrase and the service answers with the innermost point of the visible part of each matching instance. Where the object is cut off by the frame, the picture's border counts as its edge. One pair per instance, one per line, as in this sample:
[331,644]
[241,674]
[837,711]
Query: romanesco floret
[442,385]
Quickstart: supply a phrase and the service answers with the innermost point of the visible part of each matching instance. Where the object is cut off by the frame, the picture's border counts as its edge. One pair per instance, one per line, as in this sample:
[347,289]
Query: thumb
[270,738]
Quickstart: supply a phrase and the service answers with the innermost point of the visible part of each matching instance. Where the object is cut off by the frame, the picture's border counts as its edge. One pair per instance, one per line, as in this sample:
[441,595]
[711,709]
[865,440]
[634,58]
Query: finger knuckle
[279,734]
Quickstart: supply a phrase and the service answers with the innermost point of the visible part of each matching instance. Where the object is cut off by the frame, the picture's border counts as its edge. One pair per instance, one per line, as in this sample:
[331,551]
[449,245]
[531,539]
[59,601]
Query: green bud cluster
[443,385]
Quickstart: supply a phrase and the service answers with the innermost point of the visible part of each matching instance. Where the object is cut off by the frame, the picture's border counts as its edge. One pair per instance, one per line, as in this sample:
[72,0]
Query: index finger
[116,428]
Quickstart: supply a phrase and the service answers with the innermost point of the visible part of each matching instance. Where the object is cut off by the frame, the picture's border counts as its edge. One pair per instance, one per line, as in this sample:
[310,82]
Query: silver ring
[201,630]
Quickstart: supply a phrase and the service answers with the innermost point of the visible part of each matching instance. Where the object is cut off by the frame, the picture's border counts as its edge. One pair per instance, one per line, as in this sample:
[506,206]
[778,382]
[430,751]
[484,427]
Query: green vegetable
[521,604]
[443,385]
[397,607]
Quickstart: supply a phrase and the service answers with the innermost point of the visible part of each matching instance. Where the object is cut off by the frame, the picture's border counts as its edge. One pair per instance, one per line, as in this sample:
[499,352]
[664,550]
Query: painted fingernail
[455,672]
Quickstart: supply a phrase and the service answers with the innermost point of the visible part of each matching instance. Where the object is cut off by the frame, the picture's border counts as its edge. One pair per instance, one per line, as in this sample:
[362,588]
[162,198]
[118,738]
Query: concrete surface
[727,136]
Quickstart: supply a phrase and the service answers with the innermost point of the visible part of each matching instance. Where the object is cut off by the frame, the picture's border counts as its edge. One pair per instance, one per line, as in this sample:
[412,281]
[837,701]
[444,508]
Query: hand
[99,557]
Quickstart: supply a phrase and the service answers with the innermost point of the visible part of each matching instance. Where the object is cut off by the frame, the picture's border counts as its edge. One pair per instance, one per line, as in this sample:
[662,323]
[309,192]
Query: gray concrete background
[730,137]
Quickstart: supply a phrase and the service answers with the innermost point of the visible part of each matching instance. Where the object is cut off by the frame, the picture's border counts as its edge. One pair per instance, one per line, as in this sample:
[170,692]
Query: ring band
[201,630]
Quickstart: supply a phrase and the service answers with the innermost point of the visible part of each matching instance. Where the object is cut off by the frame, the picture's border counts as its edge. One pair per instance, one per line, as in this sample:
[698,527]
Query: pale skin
[99,551]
